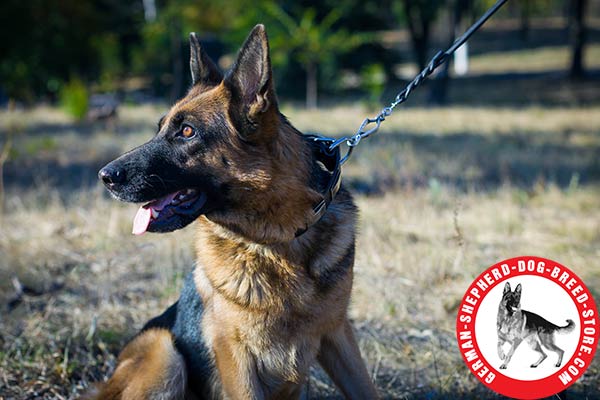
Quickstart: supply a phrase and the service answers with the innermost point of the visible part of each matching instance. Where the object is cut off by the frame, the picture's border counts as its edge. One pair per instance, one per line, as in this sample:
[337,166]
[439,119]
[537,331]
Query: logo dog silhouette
[515,325]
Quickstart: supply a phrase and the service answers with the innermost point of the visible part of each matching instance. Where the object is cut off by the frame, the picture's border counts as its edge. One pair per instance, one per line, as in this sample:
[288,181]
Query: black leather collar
[330,159]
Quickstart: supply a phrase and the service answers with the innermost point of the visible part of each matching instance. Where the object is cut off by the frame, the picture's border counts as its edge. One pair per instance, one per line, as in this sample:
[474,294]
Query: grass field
[443,194]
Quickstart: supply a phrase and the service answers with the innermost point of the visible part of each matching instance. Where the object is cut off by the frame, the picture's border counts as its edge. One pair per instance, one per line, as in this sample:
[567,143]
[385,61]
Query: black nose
[112,175]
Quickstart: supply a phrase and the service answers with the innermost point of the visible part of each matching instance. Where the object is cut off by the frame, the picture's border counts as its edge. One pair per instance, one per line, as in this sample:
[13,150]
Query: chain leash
[371,125]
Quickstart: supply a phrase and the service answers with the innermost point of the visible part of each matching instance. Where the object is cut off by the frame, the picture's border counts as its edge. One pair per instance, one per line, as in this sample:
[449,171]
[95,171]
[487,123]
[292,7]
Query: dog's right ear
[506,288]
[518,289]
[251,81]
[203,69]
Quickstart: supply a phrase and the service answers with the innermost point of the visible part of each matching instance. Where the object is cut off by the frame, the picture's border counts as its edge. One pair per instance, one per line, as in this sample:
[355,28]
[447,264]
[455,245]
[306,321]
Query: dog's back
[539,325]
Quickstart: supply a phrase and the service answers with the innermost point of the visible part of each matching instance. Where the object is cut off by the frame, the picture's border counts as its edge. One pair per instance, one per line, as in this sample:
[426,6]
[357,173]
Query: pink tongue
[141,221]
[144,214]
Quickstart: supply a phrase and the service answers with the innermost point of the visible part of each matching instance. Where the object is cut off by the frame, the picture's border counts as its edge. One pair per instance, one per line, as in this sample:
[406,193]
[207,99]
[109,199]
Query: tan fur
[264,316]
[149,368]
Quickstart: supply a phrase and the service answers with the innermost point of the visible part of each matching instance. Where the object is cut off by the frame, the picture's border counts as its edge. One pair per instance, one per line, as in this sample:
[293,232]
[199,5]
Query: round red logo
[527,327]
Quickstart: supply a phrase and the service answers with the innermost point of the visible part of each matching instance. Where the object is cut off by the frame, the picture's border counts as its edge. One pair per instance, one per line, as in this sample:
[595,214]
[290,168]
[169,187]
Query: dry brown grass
[90,285]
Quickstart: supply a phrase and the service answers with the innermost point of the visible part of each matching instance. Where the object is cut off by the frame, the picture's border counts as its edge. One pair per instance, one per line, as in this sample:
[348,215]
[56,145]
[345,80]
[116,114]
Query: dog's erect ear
[203,69]
[250,78]
[506,288]
[518,292]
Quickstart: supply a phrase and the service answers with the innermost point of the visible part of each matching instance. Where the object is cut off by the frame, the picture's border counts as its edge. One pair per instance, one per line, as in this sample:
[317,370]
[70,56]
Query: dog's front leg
[340,358]
[237,374]
[501,341]
[513,347]
[500,350]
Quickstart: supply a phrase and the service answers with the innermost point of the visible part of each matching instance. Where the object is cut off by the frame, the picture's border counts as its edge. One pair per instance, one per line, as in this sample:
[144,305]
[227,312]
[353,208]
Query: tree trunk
[421,44]
[311,85]
[577,36]
[419,27]
[177,88]
[439,89]
[525,8]
[149,10]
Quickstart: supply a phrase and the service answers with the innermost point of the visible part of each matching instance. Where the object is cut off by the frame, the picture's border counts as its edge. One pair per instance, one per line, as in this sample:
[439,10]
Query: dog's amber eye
[187,131]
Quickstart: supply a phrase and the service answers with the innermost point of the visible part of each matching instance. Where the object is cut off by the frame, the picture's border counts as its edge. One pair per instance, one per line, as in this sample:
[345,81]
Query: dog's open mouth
[168,212]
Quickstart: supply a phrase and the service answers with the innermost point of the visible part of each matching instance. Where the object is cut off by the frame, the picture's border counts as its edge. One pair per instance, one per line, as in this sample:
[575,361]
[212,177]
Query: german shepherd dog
[515,325]
[270,290]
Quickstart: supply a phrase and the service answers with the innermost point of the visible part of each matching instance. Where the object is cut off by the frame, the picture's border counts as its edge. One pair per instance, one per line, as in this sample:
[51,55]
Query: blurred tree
[373,81]
[161,55]
[149,10]
[419,16]
[74,98]
[372,16]
[39,43]
[439,89]
[45,42]
[311,42]
[525,14]
[577,37]
[108,50]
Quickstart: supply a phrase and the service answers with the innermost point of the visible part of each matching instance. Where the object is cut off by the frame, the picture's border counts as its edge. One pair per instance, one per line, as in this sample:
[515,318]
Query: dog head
[511,300]
[224,151]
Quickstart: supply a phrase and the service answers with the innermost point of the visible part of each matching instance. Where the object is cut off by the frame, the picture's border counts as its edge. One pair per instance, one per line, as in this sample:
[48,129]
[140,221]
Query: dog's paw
[533,365]
[557,364]
[503,366]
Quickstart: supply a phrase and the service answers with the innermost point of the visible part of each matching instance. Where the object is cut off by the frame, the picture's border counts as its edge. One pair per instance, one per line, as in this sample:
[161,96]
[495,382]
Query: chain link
[371,125]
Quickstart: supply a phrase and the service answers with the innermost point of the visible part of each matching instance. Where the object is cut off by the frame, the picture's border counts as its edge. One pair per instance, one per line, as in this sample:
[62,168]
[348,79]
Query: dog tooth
[154,213]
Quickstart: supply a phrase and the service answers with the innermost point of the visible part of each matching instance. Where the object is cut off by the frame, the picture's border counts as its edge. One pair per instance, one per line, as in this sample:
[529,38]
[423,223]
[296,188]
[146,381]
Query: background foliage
[114,45]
